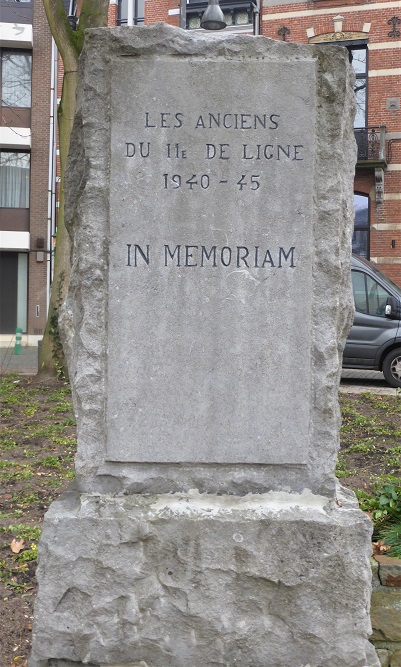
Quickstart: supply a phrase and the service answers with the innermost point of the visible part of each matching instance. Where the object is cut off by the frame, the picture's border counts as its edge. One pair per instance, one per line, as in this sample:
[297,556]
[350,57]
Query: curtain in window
[16,79]
[14,180]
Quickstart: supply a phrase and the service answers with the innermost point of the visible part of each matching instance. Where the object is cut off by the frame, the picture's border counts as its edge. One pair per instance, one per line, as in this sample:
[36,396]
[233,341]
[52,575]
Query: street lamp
[213,17]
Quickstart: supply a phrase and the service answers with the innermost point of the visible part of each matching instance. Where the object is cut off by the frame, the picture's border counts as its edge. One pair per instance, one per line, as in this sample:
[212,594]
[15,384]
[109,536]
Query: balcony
[371,142]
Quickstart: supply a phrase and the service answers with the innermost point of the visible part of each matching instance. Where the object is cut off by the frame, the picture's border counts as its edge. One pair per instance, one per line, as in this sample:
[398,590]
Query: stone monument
[209,199]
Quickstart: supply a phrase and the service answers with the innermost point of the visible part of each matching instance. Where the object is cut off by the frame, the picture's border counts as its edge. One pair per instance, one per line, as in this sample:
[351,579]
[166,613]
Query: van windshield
[386,279]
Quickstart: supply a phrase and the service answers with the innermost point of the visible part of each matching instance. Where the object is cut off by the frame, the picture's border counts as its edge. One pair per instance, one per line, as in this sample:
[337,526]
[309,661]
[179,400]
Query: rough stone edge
[144,513]
[86,185]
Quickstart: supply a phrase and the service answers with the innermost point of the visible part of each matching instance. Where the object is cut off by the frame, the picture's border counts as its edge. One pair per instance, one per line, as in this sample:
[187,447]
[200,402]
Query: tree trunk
[69,43]
[52,358]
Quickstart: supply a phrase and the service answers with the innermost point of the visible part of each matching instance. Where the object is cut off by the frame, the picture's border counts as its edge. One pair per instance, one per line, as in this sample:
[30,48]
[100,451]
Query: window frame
[366,277]
[19,52]
[22,152]
[138,20]
[364,227]
[358,46]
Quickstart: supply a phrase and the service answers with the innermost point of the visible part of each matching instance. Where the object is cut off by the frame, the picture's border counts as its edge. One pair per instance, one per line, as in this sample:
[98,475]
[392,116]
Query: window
[14,179]
[139,11]
[360,238]
[370,297]
[16,66]
[358,58]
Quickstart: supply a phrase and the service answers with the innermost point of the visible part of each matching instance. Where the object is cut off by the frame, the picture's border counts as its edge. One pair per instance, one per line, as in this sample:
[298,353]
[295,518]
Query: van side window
[359,288]
[369,296]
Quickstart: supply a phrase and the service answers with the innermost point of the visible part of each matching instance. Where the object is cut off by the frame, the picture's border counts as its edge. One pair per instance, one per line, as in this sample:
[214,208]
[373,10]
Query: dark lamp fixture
[213,17]
[73,20]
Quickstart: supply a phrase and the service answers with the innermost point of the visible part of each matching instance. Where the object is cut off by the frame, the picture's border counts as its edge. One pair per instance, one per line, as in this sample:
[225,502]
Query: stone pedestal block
[386,614]
[191,580]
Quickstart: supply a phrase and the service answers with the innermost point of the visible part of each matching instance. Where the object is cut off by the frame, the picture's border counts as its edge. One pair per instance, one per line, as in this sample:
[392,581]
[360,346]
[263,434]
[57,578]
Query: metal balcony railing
[371,142]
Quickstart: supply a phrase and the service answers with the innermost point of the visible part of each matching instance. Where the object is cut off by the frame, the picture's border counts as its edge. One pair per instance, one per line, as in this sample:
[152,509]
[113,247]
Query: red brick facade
[40,123]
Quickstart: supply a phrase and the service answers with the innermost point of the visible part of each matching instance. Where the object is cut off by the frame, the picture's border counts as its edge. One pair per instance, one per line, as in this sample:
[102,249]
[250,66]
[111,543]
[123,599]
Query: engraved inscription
[214,152]
[181,255]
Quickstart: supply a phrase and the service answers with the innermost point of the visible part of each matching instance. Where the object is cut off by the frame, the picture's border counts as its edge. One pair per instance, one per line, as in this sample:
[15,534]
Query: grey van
[374,341]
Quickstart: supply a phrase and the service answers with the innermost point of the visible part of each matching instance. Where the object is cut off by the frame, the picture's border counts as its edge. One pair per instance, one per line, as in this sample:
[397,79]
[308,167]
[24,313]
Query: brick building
[372,33]
[31,86]
[27,156]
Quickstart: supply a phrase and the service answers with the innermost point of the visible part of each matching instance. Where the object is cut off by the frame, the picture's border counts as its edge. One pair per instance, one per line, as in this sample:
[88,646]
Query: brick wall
[112,15]
[157,10]
[40,123]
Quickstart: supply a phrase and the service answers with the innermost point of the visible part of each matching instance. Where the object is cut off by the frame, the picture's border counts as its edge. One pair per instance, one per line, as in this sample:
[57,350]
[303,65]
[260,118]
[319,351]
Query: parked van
[374,342]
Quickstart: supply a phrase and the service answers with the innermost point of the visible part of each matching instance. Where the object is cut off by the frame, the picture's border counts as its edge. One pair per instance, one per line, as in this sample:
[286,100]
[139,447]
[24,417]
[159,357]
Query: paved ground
[352,381]
[25,363]
[359,382]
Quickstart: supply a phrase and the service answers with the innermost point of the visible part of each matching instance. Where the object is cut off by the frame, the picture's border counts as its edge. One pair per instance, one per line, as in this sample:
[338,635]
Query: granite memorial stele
[209,202]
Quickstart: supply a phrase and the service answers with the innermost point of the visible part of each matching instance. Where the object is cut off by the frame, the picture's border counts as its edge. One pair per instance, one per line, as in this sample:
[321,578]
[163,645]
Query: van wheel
[392,368]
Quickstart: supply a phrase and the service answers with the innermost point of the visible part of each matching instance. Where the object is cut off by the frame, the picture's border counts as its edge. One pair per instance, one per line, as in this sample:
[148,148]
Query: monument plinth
[209,200]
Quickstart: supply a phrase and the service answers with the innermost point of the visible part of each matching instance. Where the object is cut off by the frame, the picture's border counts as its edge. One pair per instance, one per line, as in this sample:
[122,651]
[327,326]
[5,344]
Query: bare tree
[69,42]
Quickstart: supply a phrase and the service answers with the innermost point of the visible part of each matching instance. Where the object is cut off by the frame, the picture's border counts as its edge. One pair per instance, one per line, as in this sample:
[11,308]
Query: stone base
[189,580]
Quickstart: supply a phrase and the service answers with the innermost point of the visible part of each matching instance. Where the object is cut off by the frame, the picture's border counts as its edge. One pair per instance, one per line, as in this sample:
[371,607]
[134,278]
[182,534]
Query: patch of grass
[49,462]
[25,499]
[20,473]
[30,410]
[8,578]
[44,430]
[394,450]
[29,453]
[65,406]
[7,464]
[391,536]
[59,393]
[6,444]
[362,446]
[22,530]
[68,441]
[27,555]
[342,466]
[68,421]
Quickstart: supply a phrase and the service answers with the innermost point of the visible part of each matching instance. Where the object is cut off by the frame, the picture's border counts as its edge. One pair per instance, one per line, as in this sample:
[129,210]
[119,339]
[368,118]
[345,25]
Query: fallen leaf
[17,545]
[379,547]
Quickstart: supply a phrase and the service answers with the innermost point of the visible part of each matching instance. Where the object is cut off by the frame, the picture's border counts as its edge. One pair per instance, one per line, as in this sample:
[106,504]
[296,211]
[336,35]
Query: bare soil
[37,444]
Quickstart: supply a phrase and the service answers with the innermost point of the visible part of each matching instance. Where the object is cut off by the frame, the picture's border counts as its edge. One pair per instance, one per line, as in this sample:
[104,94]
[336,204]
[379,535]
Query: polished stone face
[210,275]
